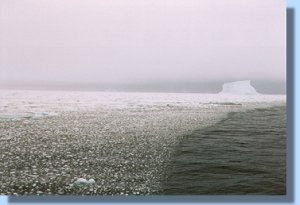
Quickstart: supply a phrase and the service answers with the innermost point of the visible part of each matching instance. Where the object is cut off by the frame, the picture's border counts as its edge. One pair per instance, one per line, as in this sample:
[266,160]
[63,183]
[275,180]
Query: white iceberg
[239,88]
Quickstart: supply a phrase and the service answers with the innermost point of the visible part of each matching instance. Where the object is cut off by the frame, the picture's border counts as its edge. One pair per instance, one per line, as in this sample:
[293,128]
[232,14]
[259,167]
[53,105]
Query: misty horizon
[263,86]
[142,44]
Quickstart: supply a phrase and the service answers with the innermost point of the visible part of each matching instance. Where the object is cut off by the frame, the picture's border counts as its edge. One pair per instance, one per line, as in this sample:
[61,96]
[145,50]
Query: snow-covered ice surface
[123,141]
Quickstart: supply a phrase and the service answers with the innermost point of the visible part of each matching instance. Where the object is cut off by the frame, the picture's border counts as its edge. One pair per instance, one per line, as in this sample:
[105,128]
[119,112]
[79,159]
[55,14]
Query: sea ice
[121,140]
[84,182]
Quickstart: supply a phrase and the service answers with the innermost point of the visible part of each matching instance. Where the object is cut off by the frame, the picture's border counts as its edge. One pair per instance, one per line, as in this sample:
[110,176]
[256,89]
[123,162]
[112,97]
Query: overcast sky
[120,41]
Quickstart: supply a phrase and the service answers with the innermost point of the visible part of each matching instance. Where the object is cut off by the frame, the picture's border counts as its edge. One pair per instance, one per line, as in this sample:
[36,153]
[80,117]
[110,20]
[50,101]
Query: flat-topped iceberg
[239,88]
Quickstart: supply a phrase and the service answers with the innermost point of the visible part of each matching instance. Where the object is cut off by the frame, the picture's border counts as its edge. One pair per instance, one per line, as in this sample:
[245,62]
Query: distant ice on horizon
[21,104]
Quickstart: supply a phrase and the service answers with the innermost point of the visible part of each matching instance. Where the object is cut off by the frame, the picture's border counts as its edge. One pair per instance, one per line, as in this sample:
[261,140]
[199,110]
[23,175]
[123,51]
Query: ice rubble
[239,88]
[84,182]
[125,139]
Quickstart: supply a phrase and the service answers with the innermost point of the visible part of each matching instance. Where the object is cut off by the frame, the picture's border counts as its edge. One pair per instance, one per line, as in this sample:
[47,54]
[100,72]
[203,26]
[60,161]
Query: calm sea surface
[243,154]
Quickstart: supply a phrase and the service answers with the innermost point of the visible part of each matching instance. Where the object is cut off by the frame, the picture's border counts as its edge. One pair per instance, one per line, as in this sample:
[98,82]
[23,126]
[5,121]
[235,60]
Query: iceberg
[239,88]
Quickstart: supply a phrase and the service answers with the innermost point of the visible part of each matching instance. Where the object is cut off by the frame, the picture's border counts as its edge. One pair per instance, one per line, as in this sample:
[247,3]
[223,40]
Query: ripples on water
[243,154]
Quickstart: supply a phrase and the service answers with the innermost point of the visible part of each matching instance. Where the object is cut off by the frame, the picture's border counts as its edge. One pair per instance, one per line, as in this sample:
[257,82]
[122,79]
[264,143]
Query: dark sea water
[242,154]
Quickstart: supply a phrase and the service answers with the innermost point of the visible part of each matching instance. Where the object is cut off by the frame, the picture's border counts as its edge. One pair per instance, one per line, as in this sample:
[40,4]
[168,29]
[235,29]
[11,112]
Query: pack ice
[239,88]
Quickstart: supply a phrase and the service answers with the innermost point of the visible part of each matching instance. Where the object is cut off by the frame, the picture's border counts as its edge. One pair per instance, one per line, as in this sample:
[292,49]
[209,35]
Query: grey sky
[113,41]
